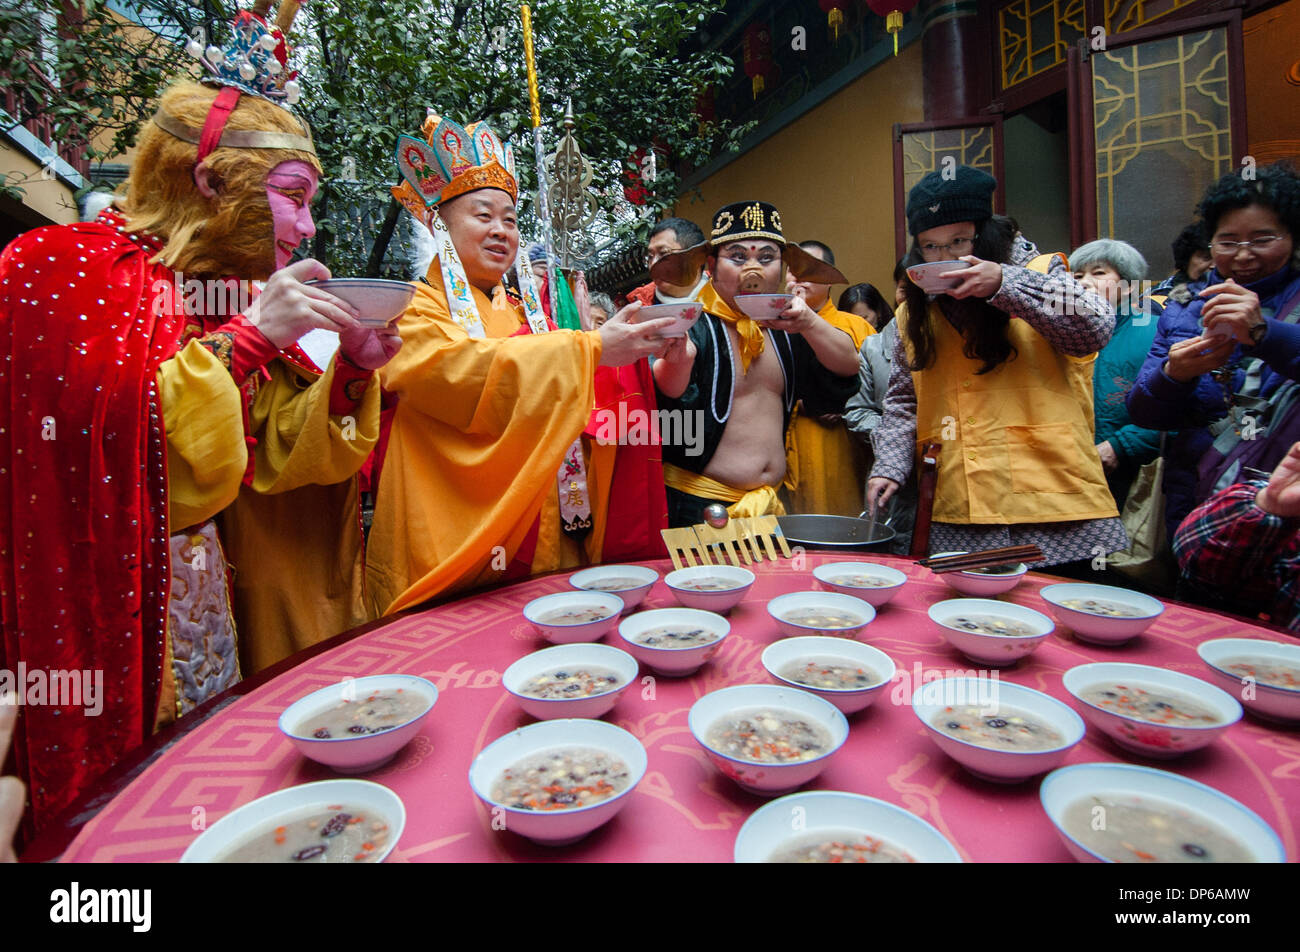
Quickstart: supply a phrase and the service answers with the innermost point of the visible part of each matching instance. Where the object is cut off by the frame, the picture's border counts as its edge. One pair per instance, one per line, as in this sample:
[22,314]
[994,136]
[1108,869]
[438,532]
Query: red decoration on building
[892,11]
[638,184]
[757,47]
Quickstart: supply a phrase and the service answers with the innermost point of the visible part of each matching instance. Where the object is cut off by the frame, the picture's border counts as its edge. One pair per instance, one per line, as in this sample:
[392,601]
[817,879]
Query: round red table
[683,809]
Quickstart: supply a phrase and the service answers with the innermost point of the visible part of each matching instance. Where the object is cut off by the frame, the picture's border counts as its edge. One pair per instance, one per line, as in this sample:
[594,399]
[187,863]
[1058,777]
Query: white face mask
[665,299]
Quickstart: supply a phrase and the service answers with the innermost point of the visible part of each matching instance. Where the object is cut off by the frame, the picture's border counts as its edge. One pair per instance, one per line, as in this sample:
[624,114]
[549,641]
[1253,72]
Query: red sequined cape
[84,574]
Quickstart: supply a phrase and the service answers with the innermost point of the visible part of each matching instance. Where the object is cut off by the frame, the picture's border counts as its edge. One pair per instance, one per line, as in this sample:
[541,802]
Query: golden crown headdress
[449,161]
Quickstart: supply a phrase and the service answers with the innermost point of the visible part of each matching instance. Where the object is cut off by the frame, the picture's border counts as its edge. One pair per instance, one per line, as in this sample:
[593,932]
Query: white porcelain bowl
[763,307]
[572,657]
[760,778]
[982,583]
[782,605]
[931,276]
[1130,784]
[993,650]
[364,752]
[556,827]
[1101,629]
[823,649]
[826,573]
[380,301]
[563,634]
[791,819]
[285,806]
[632,596]
[675,662]
[995,697]
[1264,700]
[1145,737]
[719,600]
[684,316]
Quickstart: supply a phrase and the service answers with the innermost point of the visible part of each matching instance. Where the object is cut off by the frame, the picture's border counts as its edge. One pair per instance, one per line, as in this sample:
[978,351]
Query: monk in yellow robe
[490,403]
[824,467]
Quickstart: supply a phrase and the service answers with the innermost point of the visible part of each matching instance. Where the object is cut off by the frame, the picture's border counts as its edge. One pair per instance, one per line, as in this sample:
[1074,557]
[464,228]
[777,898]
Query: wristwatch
[1257,333]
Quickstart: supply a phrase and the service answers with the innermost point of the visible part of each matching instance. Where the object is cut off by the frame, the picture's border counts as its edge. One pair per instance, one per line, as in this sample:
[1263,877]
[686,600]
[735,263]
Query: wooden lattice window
[1035,35]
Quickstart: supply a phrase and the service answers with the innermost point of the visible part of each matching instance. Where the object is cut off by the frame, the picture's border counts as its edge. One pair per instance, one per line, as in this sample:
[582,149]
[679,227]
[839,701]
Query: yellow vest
[1018,442]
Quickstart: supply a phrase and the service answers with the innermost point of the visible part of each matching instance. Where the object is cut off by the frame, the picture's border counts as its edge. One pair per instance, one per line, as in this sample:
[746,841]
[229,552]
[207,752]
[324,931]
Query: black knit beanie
[935,201]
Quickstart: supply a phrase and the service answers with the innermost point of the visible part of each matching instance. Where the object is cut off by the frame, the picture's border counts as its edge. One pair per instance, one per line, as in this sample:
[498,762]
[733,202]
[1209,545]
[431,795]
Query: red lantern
[757,48]
[638,185]
[834,10]
[892,11]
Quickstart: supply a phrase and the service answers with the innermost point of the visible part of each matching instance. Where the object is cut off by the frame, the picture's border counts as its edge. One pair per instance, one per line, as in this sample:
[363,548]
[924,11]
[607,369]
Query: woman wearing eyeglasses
[998,369]
[1227,342]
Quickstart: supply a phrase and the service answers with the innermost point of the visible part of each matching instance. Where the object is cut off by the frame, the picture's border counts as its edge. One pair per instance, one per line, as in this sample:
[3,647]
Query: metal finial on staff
[574,207]
[539,155]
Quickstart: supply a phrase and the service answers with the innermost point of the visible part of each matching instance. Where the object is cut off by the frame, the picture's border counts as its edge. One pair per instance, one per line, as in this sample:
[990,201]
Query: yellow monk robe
[824,465]
[480,429]
[293,538]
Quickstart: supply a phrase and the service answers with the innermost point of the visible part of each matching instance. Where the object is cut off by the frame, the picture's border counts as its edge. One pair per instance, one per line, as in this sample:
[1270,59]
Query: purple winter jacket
[1162,403]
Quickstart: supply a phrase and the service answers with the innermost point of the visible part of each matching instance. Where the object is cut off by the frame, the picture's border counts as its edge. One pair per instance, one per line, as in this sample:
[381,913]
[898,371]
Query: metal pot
[836,532]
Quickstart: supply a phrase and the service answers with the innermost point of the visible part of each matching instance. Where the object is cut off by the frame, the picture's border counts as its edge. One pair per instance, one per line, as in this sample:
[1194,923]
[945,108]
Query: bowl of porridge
[1151,711]
[566,617]
[997,730]
[982,583]
[673,641]
[1122,813]
[359,724]
[629,582]
[763,307]
[820,613]
[556,781]
[991,632]
[839,827]
[711,588]
[330,821]
[768,739]
[1263,675]
[577,680]
[875,584]
[849,674]
[1101,614]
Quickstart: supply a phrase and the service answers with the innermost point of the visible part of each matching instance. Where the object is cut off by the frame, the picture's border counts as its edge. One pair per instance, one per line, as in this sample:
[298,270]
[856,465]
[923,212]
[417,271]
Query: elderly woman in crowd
[600,308]
[1221,355]
[1114,270]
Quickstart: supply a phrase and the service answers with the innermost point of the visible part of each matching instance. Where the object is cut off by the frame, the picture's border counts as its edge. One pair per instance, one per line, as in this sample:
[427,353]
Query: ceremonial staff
[543,209]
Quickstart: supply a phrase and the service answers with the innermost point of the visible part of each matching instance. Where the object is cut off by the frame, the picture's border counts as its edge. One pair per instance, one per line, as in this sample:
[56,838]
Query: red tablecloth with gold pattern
[683,809]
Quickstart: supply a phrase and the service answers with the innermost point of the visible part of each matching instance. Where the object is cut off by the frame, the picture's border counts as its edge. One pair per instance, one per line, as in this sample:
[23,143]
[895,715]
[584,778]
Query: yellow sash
[745,503]
[751,335]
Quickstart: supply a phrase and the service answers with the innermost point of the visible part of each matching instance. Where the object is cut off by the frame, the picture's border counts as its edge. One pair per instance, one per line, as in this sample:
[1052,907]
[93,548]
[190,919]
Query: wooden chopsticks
[966,561]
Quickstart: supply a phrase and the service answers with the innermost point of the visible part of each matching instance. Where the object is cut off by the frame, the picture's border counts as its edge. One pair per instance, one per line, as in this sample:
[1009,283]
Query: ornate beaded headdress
[254,63]
[450,161]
